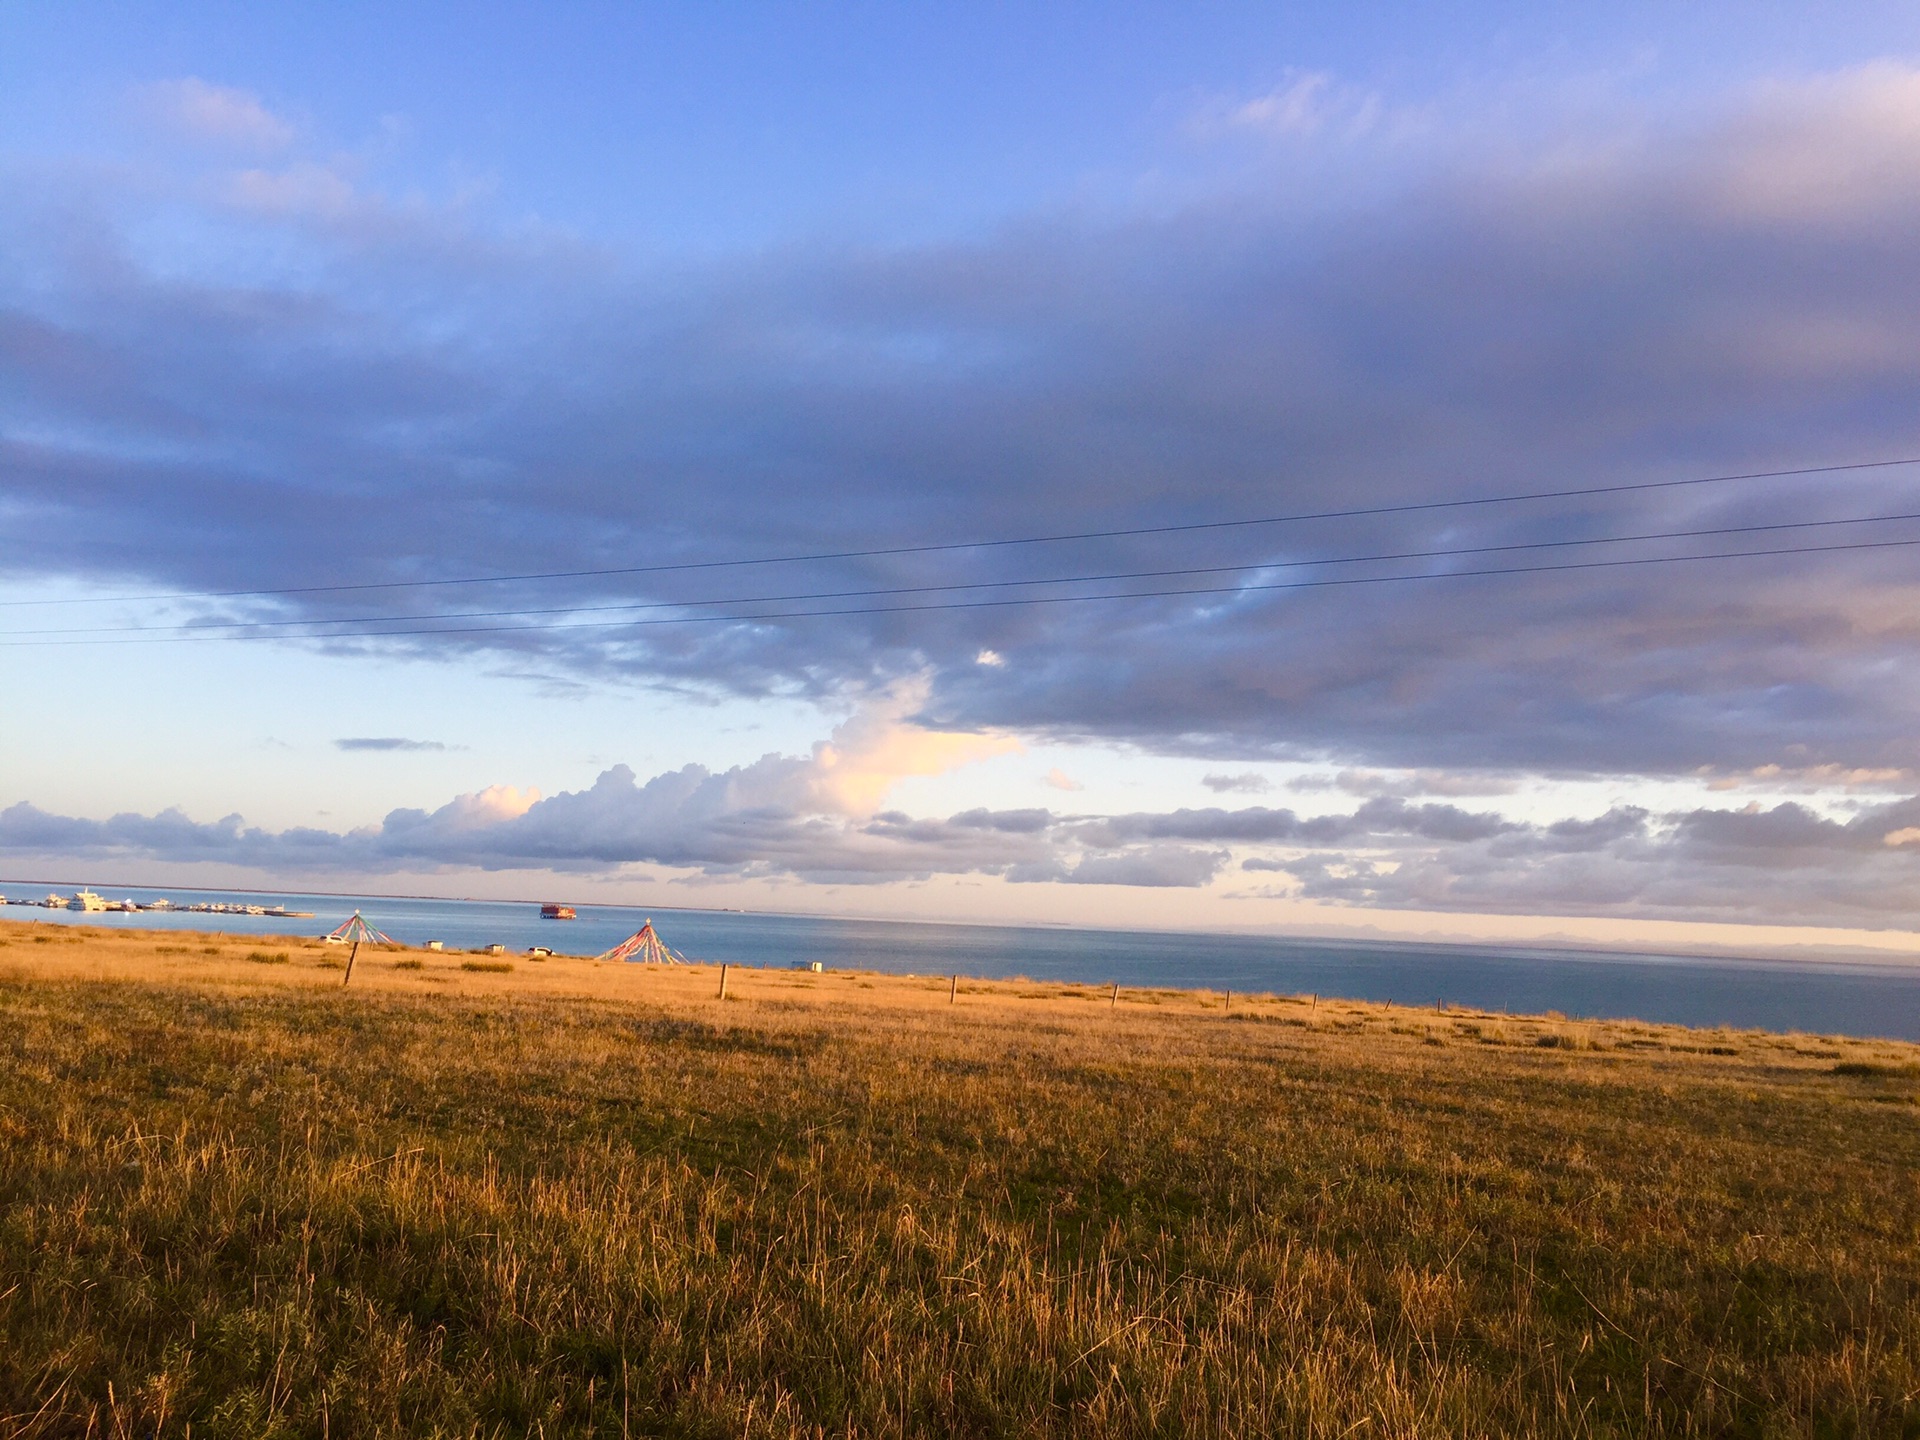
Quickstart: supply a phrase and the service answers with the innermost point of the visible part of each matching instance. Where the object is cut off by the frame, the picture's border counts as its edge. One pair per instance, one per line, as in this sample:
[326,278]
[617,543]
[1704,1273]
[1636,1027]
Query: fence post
[346,978]
[1113,1001]
[953,989]
[723,979]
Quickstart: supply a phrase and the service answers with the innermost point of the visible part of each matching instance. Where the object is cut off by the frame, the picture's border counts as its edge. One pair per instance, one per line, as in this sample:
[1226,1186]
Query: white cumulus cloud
[220,113]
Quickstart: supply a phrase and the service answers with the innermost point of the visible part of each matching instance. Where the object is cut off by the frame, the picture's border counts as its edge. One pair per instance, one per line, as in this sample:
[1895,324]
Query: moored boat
[557,912]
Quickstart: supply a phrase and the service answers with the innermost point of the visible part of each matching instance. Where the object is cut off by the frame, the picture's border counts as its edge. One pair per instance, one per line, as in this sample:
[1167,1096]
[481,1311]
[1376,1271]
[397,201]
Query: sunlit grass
[578,1199]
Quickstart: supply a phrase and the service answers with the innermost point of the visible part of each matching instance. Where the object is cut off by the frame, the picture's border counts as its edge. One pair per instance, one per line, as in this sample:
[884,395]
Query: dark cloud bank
[333,388]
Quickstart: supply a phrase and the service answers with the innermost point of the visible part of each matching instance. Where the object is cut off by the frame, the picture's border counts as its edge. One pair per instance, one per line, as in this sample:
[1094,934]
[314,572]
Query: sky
[1208,466]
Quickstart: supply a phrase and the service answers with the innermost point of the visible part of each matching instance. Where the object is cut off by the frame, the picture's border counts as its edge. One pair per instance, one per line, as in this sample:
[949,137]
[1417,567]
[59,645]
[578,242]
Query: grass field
[569,1199]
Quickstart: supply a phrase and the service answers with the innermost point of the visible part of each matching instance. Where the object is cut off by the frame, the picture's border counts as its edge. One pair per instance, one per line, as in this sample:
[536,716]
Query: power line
[934,547]
[201,627]
[1195,591]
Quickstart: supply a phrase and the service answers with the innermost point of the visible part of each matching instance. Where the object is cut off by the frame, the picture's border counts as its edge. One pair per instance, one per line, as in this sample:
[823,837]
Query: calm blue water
[1865,999]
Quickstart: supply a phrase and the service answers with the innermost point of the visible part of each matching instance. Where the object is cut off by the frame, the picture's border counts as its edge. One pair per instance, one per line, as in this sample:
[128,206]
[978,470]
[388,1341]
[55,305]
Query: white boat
[86,900]
[54,902]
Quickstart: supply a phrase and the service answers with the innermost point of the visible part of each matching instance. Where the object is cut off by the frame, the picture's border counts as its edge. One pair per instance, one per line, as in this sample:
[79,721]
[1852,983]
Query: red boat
[557,912]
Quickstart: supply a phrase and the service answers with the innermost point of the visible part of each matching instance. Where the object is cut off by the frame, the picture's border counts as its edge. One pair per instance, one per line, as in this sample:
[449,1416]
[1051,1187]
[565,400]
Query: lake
[1821,997]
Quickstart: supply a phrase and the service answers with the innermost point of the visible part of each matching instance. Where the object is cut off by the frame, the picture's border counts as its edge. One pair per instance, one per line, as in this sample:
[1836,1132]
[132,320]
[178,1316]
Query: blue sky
[718,128]
[363,298]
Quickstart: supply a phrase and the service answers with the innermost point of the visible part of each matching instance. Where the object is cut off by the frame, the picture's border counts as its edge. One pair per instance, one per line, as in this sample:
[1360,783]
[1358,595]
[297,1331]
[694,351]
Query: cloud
[1304,105]
[1404,783]
[194,108]
[772,819]
[877,748]
[753,820]
[1058,779]
[391,391]
[1778,864]
[1260,825]
[811,816]
[469,814]
[304,189]
[1158,866]
[1247,783]
[1826,147]
[1298,106]
[1809,778]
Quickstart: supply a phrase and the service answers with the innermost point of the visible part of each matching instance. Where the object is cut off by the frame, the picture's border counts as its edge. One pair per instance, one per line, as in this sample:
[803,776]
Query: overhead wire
[994,603]
[200,627]
[935,547]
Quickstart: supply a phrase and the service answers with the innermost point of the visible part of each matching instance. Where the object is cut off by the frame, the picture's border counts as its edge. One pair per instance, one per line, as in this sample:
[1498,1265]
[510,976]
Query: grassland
[237,1199]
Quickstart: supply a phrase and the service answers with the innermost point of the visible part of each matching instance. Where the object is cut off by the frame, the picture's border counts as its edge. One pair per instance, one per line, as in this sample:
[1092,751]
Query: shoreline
[223,960]
[1811,958]
[1810,953]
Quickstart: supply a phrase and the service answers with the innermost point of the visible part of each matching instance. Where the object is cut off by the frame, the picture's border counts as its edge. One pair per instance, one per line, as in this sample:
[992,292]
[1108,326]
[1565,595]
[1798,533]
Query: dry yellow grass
[571,1198]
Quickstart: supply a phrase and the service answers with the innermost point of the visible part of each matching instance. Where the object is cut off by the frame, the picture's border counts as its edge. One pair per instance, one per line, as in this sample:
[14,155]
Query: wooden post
[1113,1002]
[723,979]
[1316,1003]
[344,979]
[1229,1001]
[953,989]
